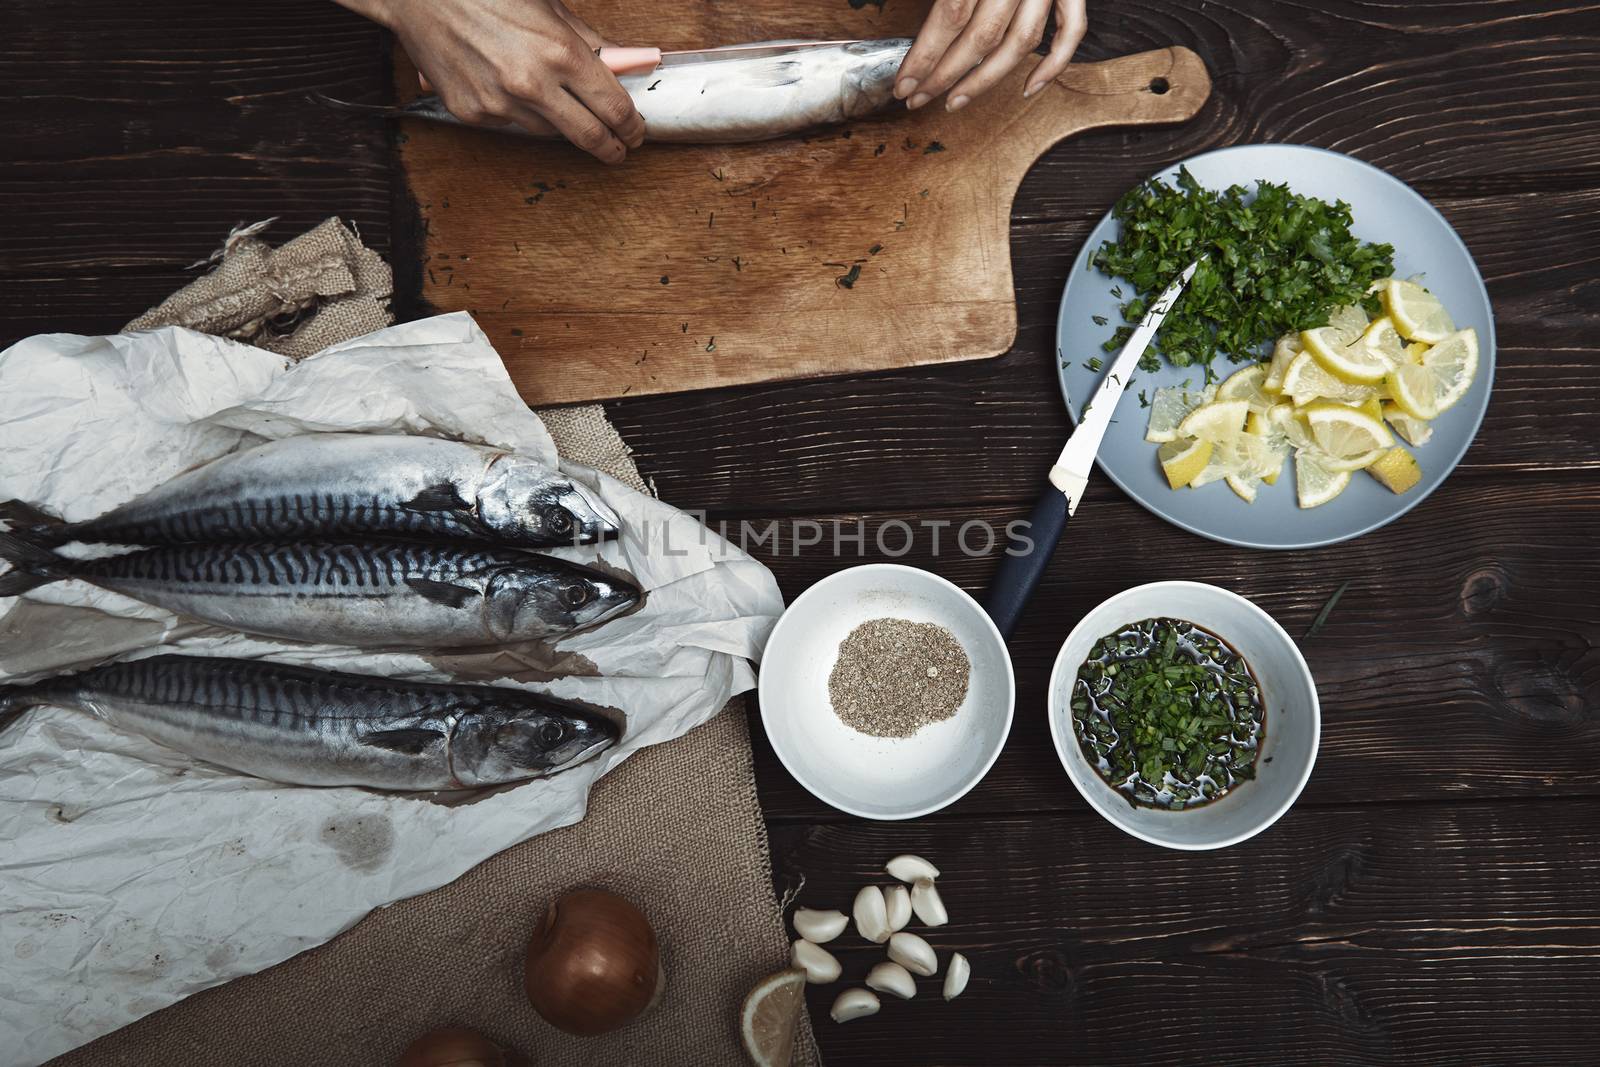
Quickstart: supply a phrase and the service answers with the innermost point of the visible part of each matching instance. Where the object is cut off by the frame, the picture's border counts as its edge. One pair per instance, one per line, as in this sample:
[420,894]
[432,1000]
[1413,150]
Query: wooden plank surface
[880,245]
[1431,899]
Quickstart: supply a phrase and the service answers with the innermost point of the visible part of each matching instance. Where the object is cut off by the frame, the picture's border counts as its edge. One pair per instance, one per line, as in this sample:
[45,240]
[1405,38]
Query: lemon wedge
[1345,433]
[1315,484]
[1423,390]
[1304,381]
[1345,357]
[770,1018]
[1415,431]
[1216,420]
[1247,384]
[1417,313]
[1265,427]
[1283,353]
[1396,470]
[1351,318]
[1243,488]
[1168,408]
[1183,460]
[1413,352]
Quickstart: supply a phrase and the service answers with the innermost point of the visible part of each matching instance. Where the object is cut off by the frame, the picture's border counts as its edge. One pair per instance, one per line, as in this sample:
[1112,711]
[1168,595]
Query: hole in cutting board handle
[1160,86]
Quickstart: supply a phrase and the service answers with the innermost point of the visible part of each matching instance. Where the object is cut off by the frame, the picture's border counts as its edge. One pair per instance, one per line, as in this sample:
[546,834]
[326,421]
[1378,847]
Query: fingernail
[1030,90]
[904,88]
[917,101]
[957,103]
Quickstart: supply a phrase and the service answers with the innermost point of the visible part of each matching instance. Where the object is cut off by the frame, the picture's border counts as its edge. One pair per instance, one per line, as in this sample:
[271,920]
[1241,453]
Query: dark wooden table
[1433,897]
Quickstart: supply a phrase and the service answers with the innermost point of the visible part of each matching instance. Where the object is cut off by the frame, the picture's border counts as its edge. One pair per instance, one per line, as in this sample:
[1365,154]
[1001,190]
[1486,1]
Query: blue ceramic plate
[1383,209]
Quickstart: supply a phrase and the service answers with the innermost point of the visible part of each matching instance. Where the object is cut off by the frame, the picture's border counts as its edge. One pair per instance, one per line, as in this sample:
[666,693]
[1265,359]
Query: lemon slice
[1315,485]
[1415,431]
[1304,381]
[1345,357]
[1447,370]
[1413,351]
[1168,408]
[1247,384]
[1382,340]
[1183,460]
[1265,427]
[770,1018]
[1346,433]
[1351,318]
[1243,488]
[1283,353]
[1216,420]
[1417,313]
[1396,470]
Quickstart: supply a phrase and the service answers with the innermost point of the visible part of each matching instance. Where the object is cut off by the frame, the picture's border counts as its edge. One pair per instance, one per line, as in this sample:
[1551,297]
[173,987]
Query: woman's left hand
[966,46]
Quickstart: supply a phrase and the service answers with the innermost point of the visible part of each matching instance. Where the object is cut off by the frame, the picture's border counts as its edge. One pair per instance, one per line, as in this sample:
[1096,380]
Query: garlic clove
[819,964]
[853,1004]
[910,868]
[914,954]
[890,977]
[925,901]
[897,902]
[819,927]
[956,973]
[871,914]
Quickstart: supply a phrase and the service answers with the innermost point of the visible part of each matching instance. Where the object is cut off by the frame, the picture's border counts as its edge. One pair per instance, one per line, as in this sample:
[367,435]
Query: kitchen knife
[645,60]
[1028,554]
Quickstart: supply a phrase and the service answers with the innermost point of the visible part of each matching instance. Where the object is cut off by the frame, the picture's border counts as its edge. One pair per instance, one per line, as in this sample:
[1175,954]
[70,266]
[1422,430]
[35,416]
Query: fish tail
[16,699]
[31,524]
[31,565]
[387,111]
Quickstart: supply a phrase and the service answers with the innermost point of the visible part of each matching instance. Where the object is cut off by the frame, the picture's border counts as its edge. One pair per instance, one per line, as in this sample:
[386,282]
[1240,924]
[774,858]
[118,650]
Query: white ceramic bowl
[882,777]
[1293,716]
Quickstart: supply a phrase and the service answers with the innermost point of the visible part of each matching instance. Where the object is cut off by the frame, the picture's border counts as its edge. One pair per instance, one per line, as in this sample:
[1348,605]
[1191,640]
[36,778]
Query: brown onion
[453,1048]
[593,964]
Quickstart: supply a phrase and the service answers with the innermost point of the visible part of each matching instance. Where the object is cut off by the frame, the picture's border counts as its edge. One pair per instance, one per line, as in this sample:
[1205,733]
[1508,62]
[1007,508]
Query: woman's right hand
[531,62]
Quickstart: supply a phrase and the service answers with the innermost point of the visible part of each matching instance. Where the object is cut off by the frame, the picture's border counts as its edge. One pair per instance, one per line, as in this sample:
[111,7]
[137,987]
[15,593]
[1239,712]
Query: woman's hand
[530,62]
[966,46]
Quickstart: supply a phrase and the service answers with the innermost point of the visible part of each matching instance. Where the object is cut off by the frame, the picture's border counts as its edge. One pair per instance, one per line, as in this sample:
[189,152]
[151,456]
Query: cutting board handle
[1160,86]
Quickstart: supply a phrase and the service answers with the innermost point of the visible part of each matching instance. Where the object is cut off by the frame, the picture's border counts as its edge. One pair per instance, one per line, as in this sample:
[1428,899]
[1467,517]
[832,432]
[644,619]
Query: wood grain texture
[671,282]
[1419,934]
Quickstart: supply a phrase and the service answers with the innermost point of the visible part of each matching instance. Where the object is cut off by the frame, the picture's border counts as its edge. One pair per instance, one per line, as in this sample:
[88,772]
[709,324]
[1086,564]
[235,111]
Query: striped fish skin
[375,595]
[346,485]
[306,726]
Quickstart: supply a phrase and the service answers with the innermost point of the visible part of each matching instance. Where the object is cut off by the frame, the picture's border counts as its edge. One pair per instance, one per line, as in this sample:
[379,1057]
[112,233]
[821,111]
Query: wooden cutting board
[879,245]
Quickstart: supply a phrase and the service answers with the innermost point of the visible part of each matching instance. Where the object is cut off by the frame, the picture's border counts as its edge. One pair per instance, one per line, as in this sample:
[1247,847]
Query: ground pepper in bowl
[895,676]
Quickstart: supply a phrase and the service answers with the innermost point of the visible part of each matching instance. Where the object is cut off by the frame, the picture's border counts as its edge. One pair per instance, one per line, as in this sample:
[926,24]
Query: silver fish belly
[329,485]
[735,100]
[312,727]
[377,595]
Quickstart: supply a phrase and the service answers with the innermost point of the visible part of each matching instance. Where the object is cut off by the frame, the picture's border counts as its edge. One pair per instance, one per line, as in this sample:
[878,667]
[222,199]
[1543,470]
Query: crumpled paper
[131,875]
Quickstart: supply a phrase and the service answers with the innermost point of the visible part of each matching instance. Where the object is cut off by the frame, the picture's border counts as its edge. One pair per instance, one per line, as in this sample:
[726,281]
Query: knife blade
[1028,553]
[645,60]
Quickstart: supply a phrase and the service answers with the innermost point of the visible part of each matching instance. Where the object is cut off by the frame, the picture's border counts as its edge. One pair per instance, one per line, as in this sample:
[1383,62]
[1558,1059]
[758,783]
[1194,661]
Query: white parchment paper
[131,875]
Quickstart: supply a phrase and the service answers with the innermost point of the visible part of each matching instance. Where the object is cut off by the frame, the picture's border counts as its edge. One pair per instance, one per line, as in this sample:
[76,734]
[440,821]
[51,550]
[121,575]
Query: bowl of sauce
[1184,714]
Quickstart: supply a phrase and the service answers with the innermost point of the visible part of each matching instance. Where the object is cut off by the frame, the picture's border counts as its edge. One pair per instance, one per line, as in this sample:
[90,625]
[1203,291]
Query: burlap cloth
[677,828]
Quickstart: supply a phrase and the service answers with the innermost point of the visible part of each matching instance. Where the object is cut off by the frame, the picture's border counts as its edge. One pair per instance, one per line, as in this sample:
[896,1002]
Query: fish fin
[31,523]
[16,699]
[31,565]
[451,596]
[409,741]
[442,497]
[776,74]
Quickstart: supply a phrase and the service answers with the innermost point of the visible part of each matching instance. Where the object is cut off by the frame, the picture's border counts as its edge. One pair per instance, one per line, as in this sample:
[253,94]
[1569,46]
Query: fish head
[524,603]
[528,503]
[869,81]
[527,739]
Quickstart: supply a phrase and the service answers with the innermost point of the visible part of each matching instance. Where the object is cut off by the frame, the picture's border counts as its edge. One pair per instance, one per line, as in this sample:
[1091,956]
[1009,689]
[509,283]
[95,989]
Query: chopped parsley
[1272,263]
[1094,363]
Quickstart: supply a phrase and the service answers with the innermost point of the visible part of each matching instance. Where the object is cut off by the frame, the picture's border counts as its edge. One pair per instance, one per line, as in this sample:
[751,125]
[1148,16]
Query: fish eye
[558,518]
[575,594]
[552,733]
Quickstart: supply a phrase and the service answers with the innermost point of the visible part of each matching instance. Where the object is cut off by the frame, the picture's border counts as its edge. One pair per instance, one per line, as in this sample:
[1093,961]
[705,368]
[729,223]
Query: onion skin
[593,964]
[453,1048]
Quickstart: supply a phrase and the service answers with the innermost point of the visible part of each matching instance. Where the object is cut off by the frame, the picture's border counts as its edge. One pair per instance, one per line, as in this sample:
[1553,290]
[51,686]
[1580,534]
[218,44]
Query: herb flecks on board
[1271,264]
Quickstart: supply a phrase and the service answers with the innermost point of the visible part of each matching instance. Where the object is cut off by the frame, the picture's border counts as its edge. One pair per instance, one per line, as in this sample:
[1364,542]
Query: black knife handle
[1026,556]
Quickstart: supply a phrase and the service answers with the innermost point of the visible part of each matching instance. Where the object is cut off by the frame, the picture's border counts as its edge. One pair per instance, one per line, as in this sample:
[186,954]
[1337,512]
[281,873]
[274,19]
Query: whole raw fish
[378,595]
[738,99]
[314,727]
[338,485]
